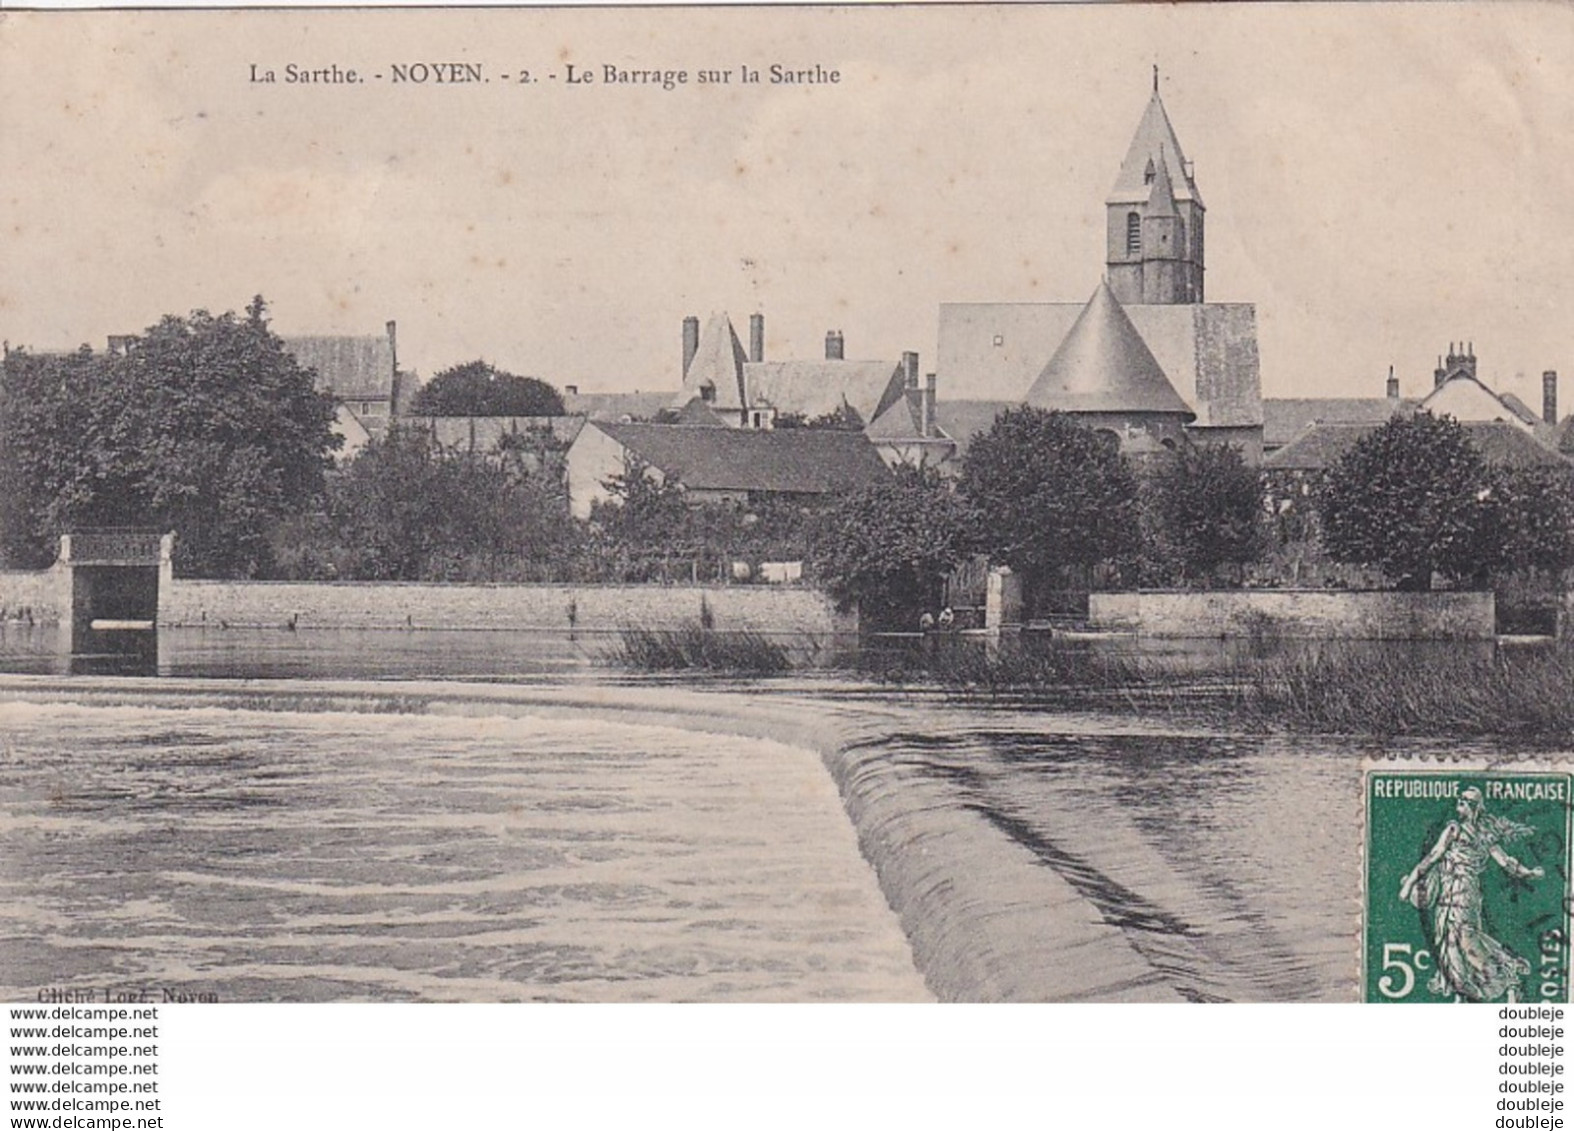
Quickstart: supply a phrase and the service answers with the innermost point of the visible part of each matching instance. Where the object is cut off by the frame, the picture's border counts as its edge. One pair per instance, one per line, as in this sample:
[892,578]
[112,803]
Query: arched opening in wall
[1169,444]
[1133,234]
[1108,437]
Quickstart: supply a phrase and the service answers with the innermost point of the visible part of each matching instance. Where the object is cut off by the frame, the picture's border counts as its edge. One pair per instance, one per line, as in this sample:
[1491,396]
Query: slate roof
[807,461]
[351,368]
[1500,444]
[1161,200]
[483,433]
[962,420]
[1154,140]
[698,414]
[718,363]
[819,388]
[1563,436]
[1285,418]
[1103,365]
[994,351]
[616,406]
[1520,409]
[956,423]
[898,422]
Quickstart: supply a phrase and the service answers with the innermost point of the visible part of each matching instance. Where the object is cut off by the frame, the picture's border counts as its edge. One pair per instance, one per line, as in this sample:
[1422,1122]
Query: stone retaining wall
[587,608]
[39,596]
[1306,613]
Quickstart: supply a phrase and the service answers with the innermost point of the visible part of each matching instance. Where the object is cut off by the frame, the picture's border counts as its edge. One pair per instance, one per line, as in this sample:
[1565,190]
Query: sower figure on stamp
[1447,882]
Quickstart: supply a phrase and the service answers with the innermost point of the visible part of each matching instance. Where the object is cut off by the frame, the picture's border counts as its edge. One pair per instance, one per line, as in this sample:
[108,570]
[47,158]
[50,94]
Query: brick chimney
[926,410]
[834,346]
[910,369]
[1461,362]
[393,381]
[1549,396]
[1393,387]
[756,337]
[691,341]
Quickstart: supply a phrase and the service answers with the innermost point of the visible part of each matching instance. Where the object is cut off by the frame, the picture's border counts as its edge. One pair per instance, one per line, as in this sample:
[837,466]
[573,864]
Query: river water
[530,829]
[328,855]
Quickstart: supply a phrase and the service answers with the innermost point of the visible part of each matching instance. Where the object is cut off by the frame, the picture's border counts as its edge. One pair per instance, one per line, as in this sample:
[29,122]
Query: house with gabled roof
[1500,443]
[362,374]
[1459,393]
[746,391]
[736,465]
[616,407]
[1285,418]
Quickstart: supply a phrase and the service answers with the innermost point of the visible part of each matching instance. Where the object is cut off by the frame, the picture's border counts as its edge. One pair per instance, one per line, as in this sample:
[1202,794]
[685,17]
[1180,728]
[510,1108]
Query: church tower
[1155,217]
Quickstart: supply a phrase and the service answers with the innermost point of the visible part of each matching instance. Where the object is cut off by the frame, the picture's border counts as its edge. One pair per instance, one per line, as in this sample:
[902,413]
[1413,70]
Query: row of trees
[1060,505]
[1053,500]
[207,426]
[1416,499]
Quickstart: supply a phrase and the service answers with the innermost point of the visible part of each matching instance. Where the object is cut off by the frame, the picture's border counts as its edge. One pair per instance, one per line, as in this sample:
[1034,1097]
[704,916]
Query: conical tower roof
[1155,142]
[718,362]
[1103,365]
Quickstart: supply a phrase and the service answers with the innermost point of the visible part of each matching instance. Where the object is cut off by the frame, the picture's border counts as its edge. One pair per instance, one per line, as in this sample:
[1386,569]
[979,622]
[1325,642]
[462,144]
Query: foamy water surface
[261,855]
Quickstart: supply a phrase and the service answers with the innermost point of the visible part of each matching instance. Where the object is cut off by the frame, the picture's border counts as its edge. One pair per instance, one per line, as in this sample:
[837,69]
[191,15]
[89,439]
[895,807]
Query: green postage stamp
[1467,883]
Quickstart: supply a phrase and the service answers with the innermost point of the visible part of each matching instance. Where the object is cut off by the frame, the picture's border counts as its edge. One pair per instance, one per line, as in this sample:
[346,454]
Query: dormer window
[1133,234]
[1149,173]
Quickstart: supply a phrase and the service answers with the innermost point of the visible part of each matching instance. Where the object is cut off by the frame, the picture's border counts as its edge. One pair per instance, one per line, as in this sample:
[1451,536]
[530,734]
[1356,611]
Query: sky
[1381,180]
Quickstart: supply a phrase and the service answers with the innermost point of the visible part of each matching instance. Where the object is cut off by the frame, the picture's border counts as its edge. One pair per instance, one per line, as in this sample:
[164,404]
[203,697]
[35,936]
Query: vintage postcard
[889,503]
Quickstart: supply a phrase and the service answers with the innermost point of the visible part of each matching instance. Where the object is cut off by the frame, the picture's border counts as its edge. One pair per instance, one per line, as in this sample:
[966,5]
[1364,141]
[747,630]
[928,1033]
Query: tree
[888,548]
[203,425]
[1412,499]
[1532,511]
[1048,494]
[643,510]
[1207,510]
[479,389]
[404,511]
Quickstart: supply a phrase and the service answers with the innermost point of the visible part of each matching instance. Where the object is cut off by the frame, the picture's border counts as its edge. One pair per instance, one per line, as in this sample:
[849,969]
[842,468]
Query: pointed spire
[1161,200]
[1154,141]
[1103,365]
